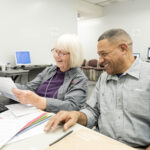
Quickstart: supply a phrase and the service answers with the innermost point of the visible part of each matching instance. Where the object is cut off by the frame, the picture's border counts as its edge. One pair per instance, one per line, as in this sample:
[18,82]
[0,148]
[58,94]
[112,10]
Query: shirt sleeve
[92,107]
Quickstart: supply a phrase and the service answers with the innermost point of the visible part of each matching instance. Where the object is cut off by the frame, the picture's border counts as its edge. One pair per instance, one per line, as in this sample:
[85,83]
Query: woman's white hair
[71,43]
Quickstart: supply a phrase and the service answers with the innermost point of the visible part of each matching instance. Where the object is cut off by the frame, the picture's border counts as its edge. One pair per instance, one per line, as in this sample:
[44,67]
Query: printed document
[21,109]
[6,85]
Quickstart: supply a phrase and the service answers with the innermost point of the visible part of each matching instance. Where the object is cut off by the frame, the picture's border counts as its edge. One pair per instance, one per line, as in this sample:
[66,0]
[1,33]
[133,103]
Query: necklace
[48,87]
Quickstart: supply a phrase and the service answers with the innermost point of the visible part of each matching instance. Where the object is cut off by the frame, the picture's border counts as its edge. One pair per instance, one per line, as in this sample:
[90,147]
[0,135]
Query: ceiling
[103,3]
[87,9]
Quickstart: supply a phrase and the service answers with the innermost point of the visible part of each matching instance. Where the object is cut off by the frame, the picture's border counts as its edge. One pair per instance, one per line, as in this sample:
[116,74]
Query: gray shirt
[120,106]
[71,95]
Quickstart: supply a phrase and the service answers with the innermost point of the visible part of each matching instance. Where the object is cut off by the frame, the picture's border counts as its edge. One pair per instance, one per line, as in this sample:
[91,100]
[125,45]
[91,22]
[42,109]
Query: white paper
[6,85]
[34,131]
[21,109]
[8,128]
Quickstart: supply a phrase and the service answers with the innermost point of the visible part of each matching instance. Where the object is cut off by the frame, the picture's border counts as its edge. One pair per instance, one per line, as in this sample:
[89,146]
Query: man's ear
[124,48]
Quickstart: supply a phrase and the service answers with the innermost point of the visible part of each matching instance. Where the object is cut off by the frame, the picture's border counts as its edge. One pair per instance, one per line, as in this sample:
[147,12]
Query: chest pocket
[138,102]
[107,99]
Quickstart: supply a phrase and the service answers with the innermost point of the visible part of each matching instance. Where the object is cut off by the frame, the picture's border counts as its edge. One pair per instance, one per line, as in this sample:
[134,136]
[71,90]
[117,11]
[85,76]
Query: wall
[131,15]
[89,31]
[34,25]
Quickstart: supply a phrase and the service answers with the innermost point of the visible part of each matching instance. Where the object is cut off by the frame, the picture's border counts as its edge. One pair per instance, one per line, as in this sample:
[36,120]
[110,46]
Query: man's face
[110,56]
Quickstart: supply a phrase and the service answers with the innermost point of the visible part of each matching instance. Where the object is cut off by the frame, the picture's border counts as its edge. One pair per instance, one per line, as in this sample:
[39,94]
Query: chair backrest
[93,63]
[84,62]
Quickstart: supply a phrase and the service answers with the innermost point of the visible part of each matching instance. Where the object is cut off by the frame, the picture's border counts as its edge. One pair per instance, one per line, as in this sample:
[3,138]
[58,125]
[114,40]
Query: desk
[15,74]
[24,74]
[34,70]
[42,141]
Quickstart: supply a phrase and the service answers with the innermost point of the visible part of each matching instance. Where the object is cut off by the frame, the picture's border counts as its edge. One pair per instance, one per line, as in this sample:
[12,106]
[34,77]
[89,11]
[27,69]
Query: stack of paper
[36,121]
[9,128]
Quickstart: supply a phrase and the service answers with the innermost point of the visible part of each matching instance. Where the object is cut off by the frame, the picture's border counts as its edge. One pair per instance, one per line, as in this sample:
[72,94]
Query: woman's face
[62,59]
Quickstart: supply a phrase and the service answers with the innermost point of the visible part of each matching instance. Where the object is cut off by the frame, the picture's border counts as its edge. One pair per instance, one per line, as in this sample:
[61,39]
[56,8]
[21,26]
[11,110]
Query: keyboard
[3,108]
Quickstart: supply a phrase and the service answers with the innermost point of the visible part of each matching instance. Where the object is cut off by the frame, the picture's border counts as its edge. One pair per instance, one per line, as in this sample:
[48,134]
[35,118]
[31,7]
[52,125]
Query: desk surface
[42,141]
[15,74]
[13,71]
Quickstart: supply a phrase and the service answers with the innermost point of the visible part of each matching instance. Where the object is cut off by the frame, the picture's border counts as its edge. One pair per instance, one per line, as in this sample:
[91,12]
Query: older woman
[59,87]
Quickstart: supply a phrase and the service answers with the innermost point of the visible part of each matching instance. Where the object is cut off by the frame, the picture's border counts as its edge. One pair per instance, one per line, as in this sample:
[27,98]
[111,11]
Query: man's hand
[66,117]
[148,148]
[29,97]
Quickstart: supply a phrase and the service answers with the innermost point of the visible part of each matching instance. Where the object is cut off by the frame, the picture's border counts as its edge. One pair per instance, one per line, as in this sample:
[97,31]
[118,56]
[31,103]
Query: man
[120,104]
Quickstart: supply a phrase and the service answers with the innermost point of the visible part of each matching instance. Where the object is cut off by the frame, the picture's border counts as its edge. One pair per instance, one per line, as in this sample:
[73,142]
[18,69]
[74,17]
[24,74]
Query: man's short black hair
[113,34]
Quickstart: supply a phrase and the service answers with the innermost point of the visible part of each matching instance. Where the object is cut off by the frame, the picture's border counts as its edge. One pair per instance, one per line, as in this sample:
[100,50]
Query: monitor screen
[23,58]
[148,55]
[136,55]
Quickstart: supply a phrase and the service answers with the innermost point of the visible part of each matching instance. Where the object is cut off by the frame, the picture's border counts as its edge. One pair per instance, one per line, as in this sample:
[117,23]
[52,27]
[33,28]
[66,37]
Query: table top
[13,71]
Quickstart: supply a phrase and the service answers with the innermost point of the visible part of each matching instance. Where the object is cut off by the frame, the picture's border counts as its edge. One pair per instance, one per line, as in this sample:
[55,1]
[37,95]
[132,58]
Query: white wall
[89,31]
[34,25]
[132,15]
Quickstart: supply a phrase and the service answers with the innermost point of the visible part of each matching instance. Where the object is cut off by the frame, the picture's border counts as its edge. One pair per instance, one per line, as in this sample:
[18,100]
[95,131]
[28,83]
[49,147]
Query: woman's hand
[29,97]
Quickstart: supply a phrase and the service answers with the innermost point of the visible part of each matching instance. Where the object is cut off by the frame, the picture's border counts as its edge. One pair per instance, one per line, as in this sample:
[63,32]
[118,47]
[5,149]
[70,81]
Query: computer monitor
[23,58]
[136,55]
[148,54]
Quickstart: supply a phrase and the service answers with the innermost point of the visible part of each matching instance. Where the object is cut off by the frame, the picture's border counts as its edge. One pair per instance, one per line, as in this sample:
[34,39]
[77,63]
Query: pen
[61,138]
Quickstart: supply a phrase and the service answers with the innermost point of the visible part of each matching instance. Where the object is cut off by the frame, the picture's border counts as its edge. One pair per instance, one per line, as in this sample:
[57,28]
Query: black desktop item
[3,108]
[136,55]
[148,54]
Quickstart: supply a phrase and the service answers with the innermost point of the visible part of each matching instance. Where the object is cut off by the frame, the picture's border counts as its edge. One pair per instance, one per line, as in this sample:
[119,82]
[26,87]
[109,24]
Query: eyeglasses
[59,52]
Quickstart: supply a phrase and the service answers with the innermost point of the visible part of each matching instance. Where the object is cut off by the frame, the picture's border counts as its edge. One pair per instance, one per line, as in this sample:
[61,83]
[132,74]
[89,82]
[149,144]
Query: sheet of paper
[6,86]
[21,109]
[34,131]
[8,128]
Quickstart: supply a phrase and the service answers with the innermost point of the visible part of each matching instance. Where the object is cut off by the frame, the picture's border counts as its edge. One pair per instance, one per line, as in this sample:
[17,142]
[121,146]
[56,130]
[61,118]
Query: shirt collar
[73,71]
[133,71]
